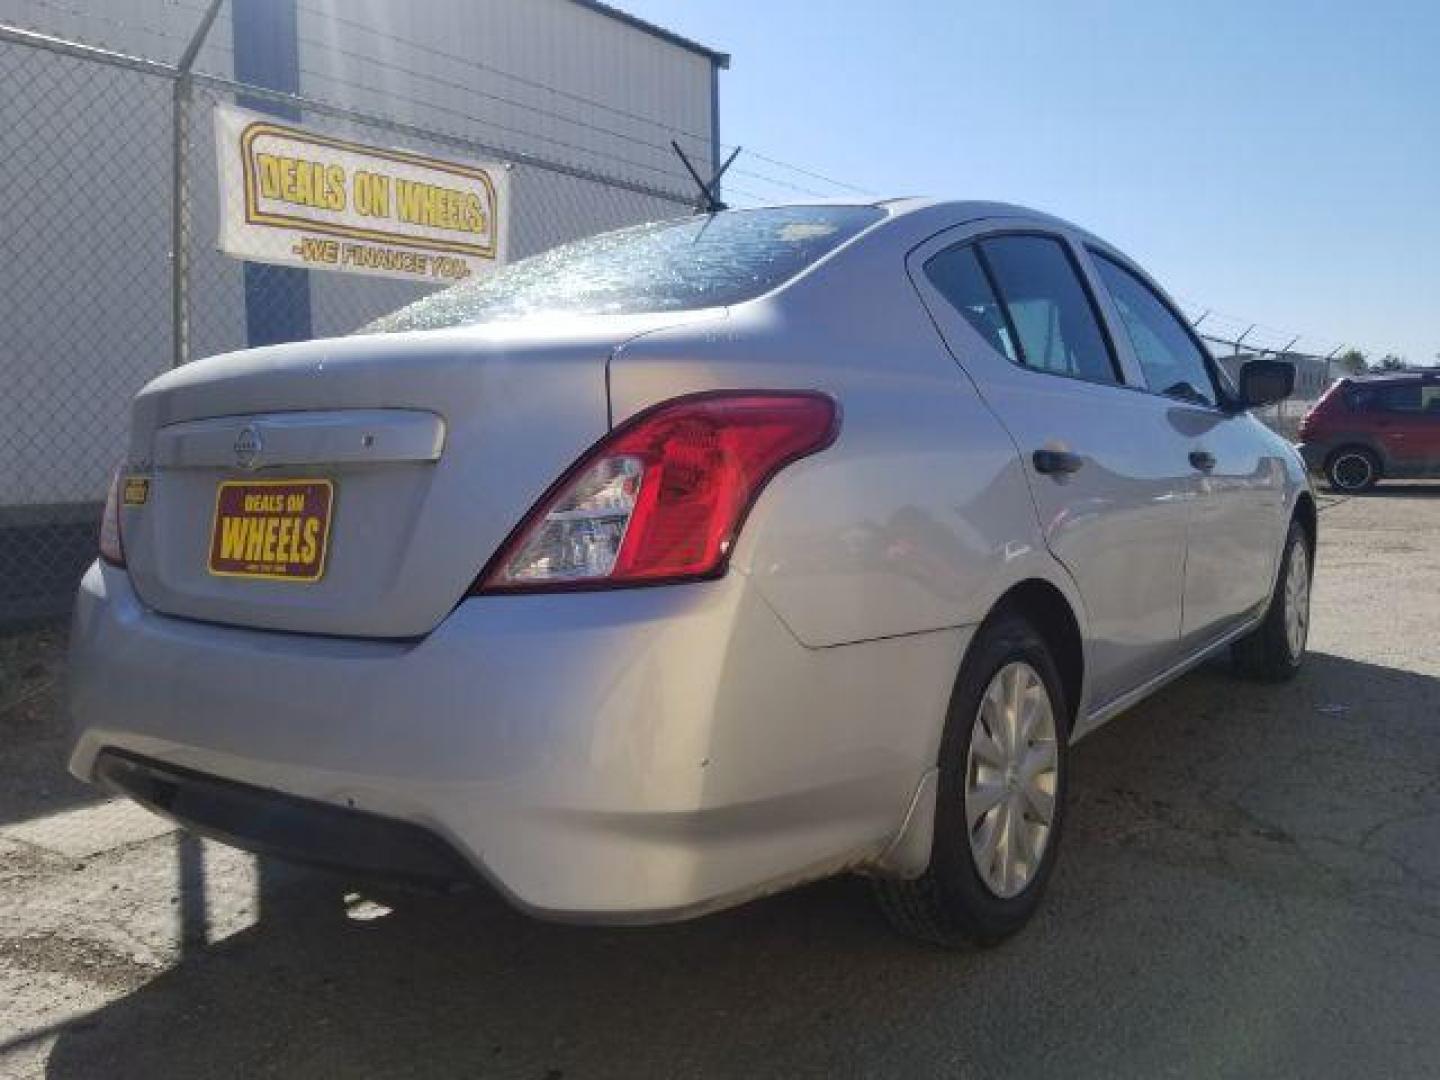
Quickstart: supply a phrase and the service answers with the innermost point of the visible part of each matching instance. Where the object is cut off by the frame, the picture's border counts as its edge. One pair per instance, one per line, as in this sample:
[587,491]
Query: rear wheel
[1274,650]
[1001,796]
[1352,468]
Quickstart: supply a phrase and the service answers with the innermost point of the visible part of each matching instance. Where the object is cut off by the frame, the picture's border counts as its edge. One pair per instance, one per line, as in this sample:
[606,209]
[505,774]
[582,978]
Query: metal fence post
[179,190]
[1330,363]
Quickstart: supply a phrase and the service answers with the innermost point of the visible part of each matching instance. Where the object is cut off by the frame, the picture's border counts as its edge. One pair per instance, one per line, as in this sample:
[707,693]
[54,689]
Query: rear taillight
[663,497]
[112,548]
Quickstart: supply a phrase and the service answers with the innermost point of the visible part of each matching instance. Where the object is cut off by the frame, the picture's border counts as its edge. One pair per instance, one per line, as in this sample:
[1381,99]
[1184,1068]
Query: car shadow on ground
[1400,490]
[34,738]
[1227,844]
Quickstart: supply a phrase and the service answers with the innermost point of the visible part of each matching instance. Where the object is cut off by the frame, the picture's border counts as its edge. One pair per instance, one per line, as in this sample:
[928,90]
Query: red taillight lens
[664,496]
[112,548]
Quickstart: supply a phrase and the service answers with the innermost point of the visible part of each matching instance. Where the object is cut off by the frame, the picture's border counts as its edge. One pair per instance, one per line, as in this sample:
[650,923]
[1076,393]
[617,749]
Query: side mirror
[1264,382]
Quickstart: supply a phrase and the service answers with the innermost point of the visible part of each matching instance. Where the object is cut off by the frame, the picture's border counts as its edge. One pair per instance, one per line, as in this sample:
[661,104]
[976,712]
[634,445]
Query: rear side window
[1402,398]
[958,276]
[1048,310]
[1172,362]
[710,260]
[1397,398]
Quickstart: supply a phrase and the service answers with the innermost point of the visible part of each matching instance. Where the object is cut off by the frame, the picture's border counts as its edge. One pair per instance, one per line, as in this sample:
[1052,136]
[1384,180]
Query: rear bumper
[635,755]
[301,830]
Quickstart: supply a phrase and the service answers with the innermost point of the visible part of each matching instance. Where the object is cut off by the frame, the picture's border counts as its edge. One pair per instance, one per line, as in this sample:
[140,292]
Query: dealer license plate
[272,529]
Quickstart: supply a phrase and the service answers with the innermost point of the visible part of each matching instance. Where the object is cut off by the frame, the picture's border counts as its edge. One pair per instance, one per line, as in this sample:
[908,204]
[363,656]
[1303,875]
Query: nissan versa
[685,563]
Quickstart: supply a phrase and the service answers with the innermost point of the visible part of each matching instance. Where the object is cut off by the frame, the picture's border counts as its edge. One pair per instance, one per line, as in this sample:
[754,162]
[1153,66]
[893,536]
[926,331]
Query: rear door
[1106,465]
[1428,425]
[1404,418]
[1238,511]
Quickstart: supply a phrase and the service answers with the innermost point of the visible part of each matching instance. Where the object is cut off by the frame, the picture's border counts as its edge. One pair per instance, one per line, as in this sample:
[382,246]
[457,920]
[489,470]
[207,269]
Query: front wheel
[1000,799]
[1274,650]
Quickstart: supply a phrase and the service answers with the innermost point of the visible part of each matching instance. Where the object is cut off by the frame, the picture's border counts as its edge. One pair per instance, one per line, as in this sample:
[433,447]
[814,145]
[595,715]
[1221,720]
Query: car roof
[926,215]
[925,211]
[949,212]
[1382,378]
[904,205]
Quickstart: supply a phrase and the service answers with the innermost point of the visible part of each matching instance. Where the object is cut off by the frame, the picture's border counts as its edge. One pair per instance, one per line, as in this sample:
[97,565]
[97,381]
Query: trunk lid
[418,453]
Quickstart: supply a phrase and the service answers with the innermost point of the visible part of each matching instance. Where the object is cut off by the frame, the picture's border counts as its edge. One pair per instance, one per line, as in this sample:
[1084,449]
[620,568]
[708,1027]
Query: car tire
[1274,651]
[955,902]
[1352,469]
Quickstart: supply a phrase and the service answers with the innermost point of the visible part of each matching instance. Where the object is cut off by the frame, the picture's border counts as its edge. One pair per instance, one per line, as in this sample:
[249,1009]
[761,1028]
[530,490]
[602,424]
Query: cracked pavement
[1250,886]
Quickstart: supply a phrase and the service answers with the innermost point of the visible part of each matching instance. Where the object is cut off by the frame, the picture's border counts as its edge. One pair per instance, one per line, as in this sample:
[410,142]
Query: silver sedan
[689,562]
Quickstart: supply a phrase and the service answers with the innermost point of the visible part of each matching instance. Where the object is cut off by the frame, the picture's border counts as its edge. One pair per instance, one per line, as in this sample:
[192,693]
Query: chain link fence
[92,145]
[85,273]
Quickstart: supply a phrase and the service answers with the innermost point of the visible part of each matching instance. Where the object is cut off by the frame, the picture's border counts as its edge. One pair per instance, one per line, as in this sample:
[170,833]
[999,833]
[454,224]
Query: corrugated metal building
[574,80]
[584,97]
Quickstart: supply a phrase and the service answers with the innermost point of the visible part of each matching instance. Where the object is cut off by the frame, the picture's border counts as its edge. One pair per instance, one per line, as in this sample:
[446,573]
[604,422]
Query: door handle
[1056,462]
[1202,460]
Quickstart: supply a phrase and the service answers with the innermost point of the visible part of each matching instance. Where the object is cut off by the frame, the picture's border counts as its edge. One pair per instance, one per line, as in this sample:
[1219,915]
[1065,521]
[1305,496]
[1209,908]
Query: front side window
[710,260]
[1362,399]
[1173,364]
[1053,319]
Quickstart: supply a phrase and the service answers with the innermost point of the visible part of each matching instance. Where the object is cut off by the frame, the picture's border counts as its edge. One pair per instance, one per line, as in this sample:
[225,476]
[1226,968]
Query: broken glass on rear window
[704,261]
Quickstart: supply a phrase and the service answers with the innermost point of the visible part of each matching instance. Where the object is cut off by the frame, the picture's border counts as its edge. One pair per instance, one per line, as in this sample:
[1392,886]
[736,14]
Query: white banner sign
[296,197]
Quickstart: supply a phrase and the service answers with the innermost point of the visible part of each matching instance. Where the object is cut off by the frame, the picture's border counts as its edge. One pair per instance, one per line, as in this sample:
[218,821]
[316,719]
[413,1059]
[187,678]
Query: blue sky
[1275,160]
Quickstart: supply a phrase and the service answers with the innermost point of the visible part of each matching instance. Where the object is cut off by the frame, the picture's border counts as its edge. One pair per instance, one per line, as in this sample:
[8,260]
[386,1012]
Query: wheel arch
[1049,611]
[1369,446]
[1307,514]
[1047,608]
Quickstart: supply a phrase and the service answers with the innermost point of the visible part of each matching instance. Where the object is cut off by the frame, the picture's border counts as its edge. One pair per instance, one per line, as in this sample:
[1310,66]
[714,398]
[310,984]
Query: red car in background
[1375,427]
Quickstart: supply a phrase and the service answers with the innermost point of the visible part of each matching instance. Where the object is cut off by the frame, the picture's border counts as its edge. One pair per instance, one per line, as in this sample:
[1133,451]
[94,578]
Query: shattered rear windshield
[697,262]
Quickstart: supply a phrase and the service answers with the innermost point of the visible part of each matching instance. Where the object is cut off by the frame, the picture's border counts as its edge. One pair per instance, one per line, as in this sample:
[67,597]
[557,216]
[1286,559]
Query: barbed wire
[468,90]
[485,122]
[124,26]
[1242,335]
[670,129]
